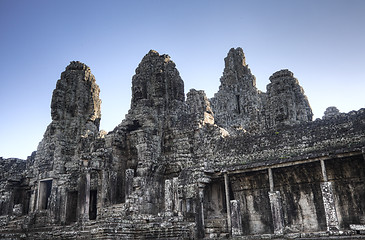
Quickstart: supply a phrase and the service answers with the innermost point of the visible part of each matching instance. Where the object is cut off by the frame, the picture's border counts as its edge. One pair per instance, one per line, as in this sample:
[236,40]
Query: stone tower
[156,82]
[237,104]
[75,111]
[286,102]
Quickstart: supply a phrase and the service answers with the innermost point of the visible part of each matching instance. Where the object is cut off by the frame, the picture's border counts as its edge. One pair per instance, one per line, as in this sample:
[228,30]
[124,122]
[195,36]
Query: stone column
[329,206]
[129,175]
[328,201]
[200,211]
[228,205]
[271,179]
[103,186]
[62,202]
[324,171]
[176,199]
[33,199]
[276,212]
[276,207]
[84,199]
[363,154]
[169,197]
[236,220]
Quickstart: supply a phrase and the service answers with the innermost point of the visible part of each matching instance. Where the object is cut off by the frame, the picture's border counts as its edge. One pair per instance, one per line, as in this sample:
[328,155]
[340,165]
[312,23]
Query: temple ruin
[244,164]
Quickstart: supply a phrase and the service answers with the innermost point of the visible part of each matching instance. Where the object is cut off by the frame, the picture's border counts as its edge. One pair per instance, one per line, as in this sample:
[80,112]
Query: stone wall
[13,188]
[348,176]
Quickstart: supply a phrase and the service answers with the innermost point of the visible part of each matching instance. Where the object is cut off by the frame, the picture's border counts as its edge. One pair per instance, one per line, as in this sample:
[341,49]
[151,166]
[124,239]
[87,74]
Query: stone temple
[244,164]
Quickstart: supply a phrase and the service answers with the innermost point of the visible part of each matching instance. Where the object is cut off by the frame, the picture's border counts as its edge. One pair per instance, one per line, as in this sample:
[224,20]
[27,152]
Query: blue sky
[321,41]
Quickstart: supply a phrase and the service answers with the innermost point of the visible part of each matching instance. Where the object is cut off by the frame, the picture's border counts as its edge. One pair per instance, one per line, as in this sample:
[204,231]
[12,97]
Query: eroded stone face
[286,102]
[239,105]
[331,112]
[76,95]
[156,81]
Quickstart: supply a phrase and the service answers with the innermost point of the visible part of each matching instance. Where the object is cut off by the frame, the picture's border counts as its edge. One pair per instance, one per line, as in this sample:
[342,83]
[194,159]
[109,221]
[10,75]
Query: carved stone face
[137,93]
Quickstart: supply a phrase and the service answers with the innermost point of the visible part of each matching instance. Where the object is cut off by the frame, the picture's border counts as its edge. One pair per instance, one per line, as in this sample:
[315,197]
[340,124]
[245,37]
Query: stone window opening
[44,192]
[17,196]
[21,198]
[238,104]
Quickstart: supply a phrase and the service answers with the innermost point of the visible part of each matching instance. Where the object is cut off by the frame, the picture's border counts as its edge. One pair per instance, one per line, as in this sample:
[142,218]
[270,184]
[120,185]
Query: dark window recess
[45,188]
[22,196]
[71,209]
[18,196]
[238,104]
[93,205]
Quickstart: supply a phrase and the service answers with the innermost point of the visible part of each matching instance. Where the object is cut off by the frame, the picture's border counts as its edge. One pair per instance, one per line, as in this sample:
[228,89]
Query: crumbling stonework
[238,104]
[286,102]
[331,112]
[244,164]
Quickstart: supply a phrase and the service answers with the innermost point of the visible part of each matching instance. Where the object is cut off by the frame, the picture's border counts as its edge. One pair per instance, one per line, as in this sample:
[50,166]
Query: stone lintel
[257,166]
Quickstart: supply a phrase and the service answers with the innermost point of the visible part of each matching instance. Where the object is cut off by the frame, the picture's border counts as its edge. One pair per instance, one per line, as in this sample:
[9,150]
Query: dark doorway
[93,205]
[45,187]
[71,209]
[238,104]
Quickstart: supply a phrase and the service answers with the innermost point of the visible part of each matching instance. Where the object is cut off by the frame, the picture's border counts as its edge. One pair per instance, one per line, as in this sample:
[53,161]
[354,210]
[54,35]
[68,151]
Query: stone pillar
[85,198]
[276,212]
[103,186]
[129,175]
[33,199]
[271,179]
[200,212]
[181,199]
[363,155]
[228,205]
[236,219]
[169,197]
[328,201]
[329,206]
[62,202]
[276,206]
[324,171]
[176,199]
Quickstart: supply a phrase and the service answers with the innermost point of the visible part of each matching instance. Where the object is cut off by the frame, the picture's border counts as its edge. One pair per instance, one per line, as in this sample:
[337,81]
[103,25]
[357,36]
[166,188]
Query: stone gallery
[244,164]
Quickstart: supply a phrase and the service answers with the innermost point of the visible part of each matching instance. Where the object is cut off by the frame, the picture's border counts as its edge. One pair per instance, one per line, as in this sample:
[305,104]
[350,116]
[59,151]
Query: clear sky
[321,41]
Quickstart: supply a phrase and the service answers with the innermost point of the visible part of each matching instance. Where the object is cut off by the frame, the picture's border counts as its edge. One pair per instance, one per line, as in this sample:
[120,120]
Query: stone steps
[216,228]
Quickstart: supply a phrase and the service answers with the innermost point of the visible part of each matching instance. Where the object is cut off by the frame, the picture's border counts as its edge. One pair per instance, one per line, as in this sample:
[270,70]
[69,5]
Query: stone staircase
[216,228]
